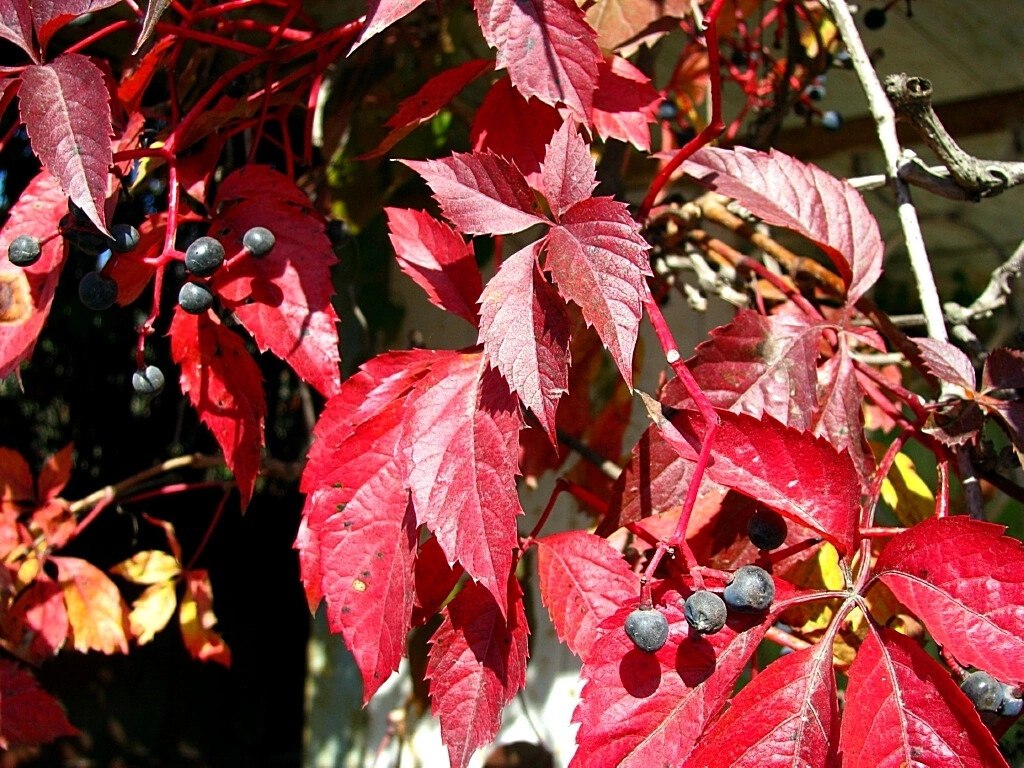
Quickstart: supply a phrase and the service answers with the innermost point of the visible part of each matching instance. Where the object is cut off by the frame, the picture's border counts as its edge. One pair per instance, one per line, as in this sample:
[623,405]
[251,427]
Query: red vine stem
[208,534]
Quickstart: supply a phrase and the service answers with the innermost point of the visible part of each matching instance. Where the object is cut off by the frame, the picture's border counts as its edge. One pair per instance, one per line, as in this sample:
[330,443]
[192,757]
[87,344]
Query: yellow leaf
[152,610]
[819,572]
[96,612]
[198,620]
[909,496]
[151,566]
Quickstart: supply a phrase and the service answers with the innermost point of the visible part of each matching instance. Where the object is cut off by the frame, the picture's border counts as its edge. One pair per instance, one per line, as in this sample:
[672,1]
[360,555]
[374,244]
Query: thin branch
[994,295]
[885,119]
[608,468]
[911,97]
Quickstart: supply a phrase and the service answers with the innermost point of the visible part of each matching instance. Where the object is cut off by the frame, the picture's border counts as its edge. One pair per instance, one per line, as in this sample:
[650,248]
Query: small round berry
[1012,702]
[705,612]
[767,529]
[751,589]
[97,292]
[815,92]
[204,256]
[831,120]
[124,238]
[338,232]
[149,381]
[842,59]
[874,18]
[648,629]
[668,110]
[258,241]
[195,298]
[24,250]
[984,691]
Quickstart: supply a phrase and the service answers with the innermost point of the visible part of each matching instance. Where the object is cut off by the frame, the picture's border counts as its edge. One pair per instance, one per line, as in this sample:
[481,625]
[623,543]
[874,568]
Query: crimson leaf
[787,715]
[788,193]
[477,663]
[639,709]
[66,110]
[520,141]
[965,580]
[583,581]
[568,173]
[16,25]
[598,259]
[839,417]
[224,385]
[28,714]
[947,362]
[51,15]
[525,333]
[625,103]
[462,452]
[26,293]
[283,298]
[381,14]
[428,101]
[795,473]
[480,193]
[902,708]
[758,365]
[1004,369]
[438,259]
[548,49]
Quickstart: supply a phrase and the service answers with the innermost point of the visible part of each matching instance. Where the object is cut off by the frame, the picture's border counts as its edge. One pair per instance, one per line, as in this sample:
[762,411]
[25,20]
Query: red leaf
[947,362]
[261,182]
[640,709]
[525,333]
[37,622]
[788,193]
[598,259]
[428,101]
[625,103]
[366,545]
[51,15]
[1004,368]
[787,715]
[96,612]
[840,412]
[17,486]
[129,271]
[462,452]
[757,365]
[583,580]
[902,708]
[154,10]
[224,385]
[547,47]
[66,110]
[437,258]
[27,292]
[28,714]
[795,473]
[381,14]
[379,382]
[476,665]
[435,580]
[283,298]
[520,141]
[198,620]
[621,22]
[568,173]
[480,193]
[965,580]
[16,25]
[55,473]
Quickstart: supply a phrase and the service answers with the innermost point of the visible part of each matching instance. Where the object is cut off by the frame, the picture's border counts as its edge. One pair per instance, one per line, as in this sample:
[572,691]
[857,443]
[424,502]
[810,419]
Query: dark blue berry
[258,241]
[831,120]
[1012,702]
[668,110]
[648,629]
[705,612]
[751,589]
[874,18]
[124,238]
[24,250]
[815,92]
[204,256]
[149,381]
[767,529]
[195,298]
[984,691]
[97,292]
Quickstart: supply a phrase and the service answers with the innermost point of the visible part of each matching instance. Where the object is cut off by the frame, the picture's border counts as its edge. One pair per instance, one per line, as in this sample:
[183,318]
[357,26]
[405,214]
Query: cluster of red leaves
[412,506]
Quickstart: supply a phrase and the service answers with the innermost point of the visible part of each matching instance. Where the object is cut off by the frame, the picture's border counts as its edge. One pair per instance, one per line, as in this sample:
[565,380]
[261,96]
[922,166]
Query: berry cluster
[989,695]
[750,590]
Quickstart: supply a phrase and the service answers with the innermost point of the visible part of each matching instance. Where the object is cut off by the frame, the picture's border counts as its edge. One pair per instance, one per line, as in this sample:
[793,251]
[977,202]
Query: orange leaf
[150,566]
[197,620]
[55,473]
[16,484]
[98,615]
